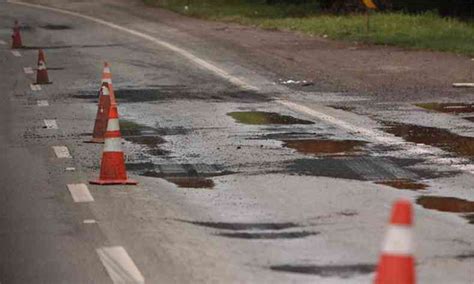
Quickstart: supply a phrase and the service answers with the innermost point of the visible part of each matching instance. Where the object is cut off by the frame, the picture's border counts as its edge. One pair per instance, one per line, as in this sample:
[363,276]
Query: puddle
[324,147]
[143,135]
[436,137]
[269,235]
[448,107]
[471,119]
[56,27]
[341,271]
[446,204]
[192,182]
[404,184]
[344,108]
[260,117]
[245,226]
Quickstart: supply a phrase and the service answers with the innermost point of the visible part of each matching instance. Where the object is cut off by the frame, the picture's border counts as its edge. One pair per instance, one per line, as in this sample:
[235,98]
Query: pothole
[245,226]
[432,136]
[192,182]
[342,271]
[455,108]
[56,27]
[446,204]
[324,147]
[143,135]
[265,118]
[404,184]
[269,235]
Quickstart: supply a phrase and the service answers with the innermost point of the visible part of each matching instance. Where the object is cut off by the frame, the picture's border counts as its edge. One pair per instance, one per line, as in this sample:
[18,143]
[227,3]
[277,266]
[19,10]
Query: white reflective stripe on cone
[105,91]
[113,125]
[41,65]
[106,70]
[113,145]
[107,81]
[398,241]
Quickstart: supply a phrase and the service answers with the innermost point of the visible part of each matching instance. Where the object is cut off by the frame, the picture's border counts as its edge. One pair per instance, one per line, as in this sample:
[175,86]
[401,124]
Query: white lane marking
[119,265]
[80,193]
[89,221]
[62,152]
[70,169]
[193,58]
[28,70]
[50,124]
[2,42]
[463,85]
[42,103]
[35,87]
[16,53]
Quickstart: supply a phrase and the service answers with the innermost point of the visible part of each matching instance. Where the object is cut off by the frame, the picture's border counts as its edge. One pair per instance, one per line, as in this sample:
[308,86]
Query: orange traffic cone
[16,36]
[107,78]
[112,169]
[103,108]
[397,264]
[42,72]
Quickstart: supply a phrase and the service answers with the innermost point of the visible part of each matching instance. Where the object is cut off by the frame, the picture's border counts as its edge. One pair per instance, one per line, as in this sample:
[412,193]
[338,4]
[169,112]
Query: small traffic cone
[103,108]
[42,72]
[397,264]
[107,78]
[16,36]
[112,168]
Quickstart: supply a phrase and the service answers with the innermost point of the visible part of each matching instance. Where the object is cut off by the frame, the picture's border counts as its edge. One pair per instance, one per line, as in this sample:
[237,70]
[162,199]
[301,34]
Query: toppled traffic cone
[397,264]
[16,36]
[112,168]
[107,78]
[103,108]
[42,72]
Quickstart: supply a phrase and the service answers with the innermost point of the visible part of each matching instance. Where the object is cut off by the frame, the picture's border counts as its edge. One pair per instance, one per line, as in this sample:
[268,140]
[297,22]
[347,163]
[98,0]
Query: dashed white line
[70,169]
[42,103]
[62,152]
[35,87]
[2,42]
[16,53]
[50,124]
[119,265]
[28,70]
[80,192]
[89,221]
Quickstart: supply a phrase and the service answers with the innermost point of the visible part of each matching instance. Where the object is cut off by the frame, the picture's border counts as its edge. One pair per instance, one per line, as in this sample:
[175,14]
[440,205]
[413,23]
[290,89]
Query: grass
[422,31]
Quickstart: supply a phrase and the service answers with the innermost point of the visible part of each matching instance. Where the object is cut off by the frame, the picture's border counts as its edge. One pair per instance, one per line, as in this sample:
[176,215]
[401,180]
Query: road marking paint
[28,70]
[463,85]
[35,87]
[50,124]
[2,42]
[62,152]
[119,265]
[89,221]
[70,169]
[193,58]
[42,103]
[16,53]
[80,192]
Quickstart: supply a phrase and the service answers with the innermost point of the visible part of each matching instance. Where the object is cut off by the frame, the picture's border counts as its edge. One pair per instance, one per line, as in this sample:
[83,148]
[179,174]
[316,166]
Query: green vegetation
[420,31]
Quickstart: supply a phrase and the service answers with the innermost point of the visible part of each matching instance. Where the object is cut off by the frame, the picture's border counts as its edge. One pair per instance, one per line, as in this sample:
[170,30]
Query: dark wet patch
[287,135]
[432,136]
[245,226]
[138,167]
[341,271]
[324,147]
[404,184]
[446,204]
[448,107]
[56,27]
[344,108]
[470,218]
[72,46]
[269,235]
[471,119]
[464,256]
[56,68]
[192,182]
[143,135]
[262,118]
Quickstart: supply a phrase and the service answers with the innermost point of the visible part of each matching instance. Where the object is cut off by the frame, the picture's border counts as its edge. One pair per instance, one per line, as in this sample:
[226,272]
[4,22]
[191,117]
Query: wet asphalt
[235,187]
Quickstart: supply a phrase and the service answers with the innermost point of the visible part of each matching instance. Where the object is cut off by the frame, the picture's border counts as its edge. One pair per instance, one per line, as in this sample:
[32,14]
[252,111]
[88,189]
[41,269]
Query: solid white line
[119,265]
[42,103]
[2,42]
[28,70]
[35,87]
[50,124]
[62,152]
[80,193]
[196,60]
[463,85]
[16,53]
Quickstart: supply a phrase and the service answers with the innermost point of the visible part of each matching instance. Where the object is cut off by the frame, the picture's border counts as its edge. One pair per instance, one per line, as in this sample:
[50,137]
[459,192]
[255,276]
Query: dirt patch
[342,271]
[245,226]
[269,235]
[324,147]
[441,138]
[404,184]
[56,27]
[446,204]
[264,118]
[192,182]
[455,108]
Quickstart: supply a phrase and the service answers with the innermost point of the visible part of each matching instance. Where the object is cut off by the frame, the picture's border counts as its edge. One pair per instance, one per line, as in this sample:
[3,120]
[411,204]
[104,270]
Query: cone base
[114,182]
[43,83]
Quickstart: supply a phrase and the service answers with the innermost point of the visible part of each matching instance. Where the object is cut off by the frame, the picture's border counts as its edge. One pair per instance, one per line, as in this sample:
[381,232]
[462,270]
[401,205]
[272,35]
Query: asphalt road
[219,200]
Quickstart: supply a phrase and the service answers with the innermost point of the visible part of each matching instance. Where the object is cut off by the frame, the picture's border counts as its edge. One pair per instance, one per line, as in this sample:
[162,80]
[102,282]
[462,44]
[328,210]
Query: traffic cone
[112,168]
[107,78]
[16,36]
[102,116]
[42,73]
[397,264]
